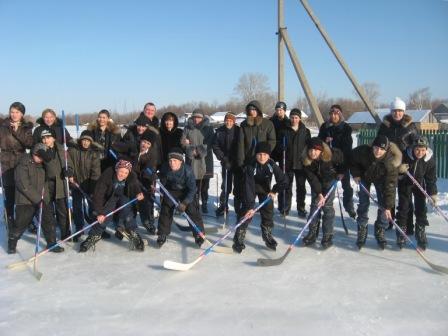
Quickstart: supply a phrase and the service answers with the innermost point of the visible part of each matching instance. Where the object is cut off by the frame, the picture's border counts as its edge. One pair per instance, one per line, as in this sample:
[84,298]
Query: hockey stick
[413,179]
[24,262]
[190,221]
[340,209]
[172,265]
[435,267]
[226,199]
[278,261]
[38,274]
[284,172]
[2,192]
[69,197]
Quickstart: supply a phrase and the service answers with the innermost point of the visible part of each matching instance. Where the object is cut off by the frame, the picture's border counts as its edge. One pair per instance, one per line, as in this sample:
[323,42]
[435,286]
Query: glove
[434,199]
[403,168]
[67,173]
[182,207]
[357,179]
[225,162]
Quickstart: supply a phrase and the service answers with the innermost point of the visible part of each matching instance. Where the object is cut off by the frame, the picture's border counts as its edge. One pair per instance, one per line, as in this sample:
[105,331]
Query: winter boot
[150,228]
[420,235]
[204,208]
[302,213]
[89,242]
[352,213]
[220,211]
[401,240]
[327,241]
[362,236]
[12,244]
[135,241]
[161,239]
[77,237]
[199,240]
[313,231]
[32,228]
[238,240]
[53,247]
[105,235]
[410,228]
[266,234]
[119,234]
[379,235]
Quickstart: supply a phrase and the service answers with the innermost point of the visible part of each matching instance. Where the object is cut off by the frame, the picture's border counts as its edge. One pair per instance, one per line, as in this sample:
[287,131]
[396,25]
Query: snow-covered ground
[340,291]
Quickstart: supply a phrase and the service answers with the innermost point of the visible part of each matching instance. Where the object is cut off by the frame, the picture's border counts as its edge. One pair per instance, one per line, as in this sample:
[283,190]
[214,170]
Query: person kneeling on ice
[420,162]
[257,182]
[113,189]
[30,180]
[179,180]
[377,164]
[322,165]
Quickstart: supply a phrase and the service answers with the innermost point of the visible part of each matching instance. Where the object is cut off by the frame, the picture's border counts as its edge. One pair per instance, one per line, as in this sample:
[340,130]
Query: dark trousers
[9,196]
[299,174]
[24,217]
[146,209]
[327,213]
[167,210]
[58,207]
[80,213]
[364,203]
[238,181]
[266,213]
[405,193]
[347,196]
[227,176]
[202,188]
[125,216]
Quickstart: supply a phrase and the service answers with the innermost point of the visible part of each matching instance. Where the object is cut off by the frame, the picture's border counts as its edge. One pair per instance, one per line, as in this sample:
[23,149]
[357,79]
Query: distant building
[423,119]
[441,113]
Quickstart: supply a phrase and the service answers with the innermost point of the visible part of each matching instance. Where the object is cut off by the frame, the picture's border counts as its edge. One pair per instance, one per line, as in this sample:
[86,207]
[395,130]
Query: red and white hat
[123,164]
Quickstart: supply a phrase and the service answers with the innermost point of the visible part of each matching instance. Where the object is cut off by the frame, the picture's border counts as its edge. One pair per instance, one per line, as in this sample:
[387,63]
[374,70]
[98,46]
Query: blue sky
[82,56]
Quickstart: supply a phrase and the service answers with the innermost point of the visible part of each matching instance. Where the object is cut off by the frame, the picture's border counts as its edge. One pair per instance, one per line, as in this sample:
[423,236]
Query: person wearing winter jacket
[338,134]
[197,141]
[178,178]
[224,144]
[50,120]
[30,187]
[296,136]
[56,173]
[377,164]
[419,160]
[257,183]
[280,122]
[87,170]
[115,187]
[322,165]
[170,134]
[15,139]
[106,133]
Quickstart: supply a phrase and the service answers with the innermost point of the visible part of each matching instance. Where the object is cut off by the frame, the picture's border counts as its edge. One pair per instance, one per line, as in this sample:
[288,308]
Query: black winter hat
[381,141]
[148,136]
[263,147]
[281,105]
[198,113]
[295,111]
[40,150]
[176,153]
[420,141]
[19,106]
[142,120]
[256,104]
[86,135]
[48,131]
[315,143]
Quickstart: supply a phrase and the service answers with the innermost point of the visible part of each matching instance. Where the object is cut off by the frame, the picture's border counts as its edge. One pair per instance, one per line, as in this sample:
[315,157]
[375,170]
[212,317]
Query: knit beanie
[123,164]
[381,141]
[263,147]
[315,143]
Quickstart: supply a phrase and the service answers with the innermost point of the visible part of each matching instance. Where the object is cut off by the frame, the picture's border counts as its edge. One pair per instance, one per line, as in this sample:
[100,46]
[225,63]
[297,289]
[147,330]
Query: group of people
[44,168]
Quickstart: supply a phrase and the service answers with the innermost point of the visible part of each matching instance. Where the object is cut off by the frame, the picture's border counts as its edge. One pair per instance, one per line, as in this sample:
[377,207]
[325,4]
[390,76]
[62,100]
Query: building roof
[364,117]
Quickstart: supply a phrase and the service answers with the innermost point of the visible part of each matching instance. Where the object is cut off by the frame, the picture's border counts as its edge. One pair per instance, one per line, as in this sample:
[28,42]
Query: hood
[426,158]
[202,124]
[388,121]
[325,156]
[164,117]
[257,105]
[57,122]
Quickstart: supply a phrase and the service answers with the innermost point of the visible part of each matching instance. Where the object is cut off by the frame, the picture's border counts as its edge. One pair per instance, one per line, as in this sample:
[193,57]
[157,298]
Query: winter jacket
[341,134]
[140,164]
[363,164]
[57,127]
[424,170]
[153,123]
[322,173]
[106,139]
[201,141]
[170,139]
[132,137]
[86,165]
[401,133]
[295,145]
[29,181]
[280,125]
[13,144]
[54,169]
[225,143]
[257,180]
[182,180]
[105,185]
[252,131]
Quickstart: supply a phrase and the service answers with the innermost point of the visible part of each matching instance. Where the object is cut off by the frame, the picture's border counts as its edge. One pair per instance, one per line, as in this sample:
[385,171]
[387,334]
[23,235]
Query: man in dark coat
[224,144]
[257,183]
[322,165]
[296,136]
[178,178]
[114,188]
[15,139]
[378,165]
[420,161]
[338,134]
[31,190]
[281,122]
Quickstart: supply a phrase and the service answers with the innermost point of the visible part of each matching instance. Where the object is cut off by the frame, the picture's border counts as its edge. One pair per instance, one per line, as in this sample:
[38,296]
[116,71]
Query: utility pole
[281,53]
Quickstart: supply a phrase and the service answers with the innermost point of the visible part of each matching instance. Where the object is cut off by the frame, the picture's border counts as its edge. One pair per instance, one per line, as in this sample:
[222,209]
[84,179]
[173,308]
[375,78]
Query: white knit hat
[398,104]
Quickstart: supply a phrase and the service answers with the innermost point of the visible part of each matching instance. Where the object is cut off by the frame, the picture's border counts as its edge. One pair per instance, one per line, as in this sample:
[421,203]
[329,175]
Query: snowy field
[340,291]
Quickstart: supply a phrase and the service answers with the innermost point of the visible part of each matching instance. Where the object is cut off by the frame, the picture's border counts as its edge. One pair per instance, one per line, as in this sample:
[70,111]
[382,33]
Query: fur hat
[123,164]
[315,143]
[381,141]
[176,153]
[263,147]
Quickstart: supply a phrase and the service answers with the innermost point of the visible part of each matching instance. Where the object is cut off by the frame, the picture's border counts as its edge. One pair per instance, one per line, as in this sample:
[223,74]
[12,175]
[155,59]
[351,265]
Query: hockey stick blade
[220,249]
[189,229]
[273,262]
[175,266]
[38,275]
[438,268]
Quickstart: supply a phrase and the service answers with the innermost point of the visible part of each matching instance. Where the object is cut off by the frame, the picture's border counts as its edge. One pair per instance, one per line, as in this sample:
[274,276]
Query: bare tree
[372,90]
[252,86]
[420,99]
